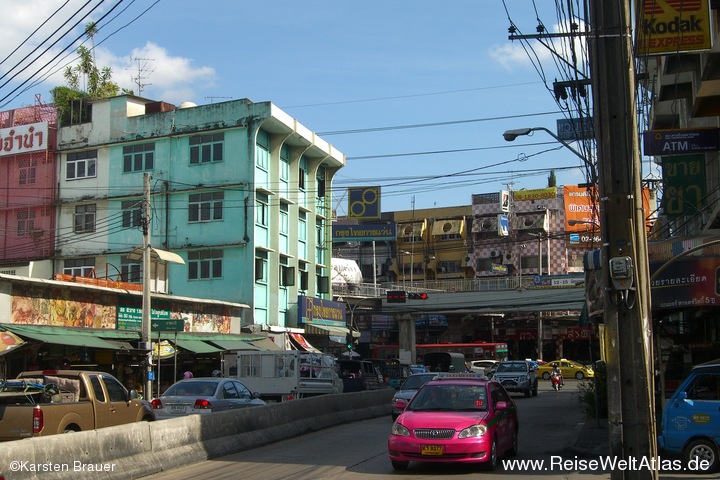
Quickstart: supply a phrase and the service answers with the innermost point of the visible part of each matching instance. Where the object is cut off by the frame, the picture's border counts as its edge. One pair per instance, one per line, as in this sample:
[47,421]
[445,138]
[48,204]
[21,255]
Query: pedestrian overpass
[492,295]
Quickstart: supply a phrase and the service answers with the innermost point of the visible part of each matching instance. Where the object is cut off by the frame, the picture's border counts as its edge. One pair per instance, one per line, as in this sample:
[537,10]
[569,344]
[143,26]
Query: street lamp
[412,265]
[511,135]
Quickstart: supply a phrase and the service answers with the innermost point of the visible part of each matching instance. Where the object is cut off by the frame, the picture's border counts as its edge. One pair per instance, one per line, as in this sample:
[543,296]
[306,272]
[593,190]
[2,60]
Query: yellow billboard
[667,26]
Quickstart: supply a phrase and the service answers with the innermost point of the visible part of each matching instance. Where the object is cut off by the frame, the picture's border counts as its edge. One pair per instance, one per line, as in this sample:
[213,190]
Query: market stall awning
[197,346]
[266,344]
[235,345]
[301,342]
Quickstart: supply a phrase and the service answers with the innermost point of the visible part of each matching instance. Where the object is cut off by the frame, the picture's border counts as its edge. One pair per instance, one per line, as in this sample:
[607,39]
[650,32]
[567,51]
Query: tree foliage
[552,180]
[85,81]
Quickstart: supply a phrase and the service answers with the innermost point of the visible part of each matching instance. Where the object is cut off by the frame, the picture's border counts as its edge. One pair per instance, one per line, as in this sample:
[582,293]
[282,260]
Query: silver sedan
[203,396]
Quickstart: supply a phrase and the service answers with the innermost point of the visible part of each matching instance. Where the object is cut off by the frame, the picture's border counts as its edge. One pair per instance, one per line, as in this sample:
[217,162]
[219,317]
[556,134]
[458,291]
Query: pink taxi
[455,418]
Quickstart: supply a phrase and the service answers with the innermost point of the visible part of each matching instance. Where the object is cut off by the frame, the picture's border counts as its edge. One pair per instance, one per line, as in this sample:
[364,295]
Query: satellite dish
[187,105]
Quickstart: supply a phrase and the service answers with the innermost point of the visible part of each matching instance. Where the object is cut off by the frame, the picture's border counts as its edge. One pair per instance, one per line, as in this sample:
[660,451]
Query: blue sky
[416,93]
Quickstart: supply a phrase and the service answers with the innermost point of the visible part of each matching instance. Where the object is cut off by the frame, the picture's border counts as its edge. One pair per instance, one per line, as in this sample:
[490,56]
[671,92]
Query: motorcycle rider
[556,372]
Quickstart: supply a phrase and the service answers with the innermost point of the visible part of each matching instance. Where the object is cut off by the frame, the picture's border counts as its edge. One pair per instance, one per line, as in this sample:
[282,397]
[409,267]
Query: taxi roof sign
[460,376]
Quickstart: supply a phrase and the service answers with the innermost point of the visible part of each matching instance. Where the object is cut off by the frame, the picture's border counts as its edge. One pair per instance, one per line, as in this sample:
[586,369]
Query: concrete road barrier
[143,448]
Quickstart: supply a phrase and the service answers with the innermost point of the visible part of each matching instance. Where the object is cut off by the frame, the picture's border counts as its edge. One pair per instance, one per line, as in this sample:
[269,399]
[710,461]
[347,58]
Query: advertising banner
[693,282]
[668,26]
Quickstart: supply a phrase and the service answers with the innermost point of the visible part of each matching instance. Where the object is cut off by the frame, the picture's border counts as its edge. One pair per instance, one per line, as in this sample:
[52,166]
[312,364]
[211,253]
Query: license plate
[177,408]
[431,450]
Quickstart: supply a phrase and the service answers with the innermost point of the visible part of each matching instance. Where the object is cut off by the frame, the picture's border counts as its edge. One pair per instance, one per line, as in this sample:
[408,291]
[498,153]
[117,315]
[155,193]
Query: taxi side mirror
[501,406]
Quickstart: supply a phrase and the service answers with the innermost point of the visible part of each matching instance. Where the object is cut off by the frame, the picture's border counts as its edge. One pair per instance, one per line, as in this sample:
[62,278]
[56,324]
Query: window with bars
[85,218]
[26,171]
[206,148]
[25,222]
[205,264]
[205,207]
[79,267]
[81,165]
[138,158]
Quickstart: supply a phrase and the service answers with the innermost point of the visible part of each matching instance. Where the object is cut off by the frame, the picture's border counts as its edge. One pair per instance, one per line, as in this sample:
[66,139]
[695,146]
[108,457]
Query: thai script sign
[673,142]
[363,233]
[684,183]
[23,138]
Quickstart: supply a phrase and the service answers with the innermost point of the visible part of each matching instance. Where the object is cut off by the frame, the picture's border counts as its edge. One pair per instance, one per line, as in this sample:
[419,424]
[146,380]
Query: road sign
[167,325]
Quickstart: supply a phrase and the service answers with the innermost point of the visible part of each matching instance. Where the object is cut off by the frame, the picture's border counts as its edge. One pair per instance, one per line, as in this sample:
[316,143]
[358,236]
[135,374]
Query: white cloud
[163,76]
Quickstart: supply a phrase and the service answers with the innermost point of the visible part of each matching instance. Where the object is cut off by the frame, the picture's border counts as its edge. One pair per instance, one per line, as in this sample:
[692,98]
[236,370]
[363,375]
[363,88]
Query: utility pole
[626,276]
[146,302]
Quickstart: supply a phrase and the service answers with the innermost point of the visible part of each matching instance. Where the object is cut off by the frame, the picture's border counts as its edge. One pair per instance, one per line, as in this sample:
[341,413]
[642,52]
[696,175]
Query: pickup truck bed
[46,403]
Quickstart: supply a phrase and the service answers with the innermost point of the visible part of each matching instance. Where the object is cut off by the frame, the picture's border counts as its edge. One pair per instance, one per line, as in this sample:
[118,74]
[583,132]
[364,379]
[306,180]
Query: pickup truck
[281,375]
[48,402]
[517,376]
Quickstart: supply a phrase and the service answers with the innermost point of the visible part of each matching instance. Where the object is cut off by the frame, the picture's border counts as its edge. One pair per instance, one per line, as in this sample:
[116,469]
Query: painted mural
[203,321]
[42,306]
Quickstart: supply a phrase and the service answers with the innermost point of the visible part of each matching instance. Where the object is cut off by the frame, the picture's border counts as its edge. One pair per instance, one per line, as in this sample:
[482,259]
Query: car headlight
[474,431]
[400,430]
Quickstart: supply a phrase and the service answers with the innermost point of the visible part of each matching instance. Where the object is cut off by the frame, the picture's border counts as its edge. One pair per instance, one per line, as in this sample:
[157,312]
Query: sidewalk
[591,440]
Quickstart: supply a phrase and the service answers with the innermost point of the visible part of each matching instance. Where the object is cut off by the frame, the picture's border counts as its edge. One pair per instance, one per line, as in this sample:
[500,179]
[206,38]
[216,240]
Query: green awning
[197,346]
[75,340]
[235,345]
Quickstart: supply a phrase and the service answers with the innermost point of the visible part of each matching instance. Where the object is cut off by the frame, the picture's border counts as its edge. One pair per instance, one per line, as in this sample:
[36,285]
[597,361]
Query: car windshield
[512,367]
[416,381]
[192,389]
[449,397]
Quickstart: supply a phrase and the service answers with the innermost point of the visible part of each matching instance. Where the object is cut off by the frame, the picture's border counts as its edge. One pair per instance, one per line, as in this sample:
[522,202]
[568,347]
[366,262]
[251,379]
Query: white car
[481,366]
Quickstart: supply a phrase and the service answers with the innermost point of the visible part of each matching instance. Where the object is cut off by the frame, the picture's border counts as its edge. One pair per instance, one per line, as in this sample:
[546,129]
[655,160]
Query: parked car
[517,376]
[455,419]
[690,423]
[204,395]
[568,368]
[481,366]
[406,391]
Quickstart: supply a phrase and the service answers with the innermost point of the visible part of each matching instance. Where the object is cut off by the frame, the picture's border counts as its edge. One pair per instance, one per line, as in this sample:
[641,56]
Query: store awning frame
[313,329]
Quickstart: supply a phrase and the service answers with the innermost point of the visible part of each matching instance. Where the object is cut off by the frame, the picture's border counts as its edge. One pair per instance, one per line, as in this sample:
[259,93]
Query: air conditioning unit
[532,221]
[485,224]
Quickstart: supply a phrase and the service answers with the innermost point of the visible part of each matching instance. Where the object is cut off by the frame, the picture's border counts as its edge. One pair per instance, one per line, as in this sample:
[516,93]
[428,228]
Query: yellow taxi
[568,368]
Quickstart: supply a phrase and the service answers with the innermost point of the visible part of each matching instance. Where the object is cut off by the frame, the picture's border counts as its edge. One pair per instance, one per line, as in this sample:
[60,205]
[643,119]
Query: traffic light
[349,341]
[396,296]
[418,296]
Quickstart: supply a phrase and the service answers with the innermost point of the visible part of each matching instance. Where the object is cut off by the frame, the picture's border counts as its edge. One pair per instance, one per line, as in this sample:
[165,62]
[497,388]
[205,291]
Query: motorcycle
[556,380]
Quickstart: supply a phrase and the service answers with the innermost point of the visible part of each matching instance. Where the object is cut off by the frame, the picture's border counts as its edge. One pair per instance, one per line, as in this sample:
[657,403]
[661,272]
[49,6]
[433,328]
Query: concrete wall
[144,448]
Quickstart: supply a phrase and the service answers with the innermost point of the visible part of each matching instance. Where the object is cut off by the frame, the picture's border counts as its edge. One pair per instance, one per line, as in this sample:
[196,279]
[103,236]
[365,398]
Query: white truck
[281,375]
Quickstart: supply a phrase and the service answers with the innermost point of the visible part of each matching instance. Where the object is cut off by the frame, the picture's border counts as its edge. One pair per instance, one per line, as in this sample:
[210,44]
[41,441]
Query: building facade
[239,190]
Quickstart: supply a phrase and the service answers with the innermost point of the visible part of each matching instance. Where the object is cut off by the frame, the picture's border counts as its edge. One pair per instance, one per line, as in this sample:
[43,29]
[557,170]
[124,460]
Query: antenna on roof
[143,72]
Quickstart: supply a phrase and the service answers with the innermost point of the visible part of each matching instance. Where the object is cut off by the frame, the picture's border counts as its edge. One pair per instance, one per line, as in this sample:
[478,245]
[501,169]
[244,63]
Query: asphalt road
[549,423]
